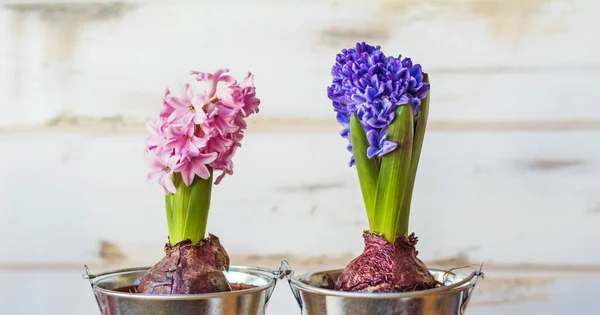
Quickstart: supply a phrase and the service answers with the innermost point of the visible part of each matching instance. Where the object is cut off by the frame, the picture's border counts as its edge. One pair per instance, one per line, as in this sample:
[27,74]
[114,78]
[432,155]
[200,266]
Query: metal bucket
[314,296]
[248,301]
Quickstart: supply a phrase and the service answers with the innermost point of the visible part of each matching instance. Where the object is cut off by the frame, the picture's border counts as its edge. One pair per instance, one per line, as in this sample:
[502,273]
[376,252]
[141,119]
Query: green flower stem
[367,168]
[402,223]
[168,202]
[394,175]
[187,210]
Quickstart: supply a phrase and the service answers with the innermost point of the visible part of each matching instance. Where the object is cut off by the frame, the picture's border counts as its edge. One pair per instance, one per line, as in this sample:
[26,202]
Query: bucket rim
[267,274]
[464,284]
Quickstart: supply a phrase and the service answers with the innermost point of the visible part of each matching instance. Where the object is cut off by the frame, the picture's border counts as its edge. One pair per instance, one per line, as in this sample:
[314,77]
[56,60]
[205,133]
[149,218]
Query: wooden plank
[459,99]
[489,60]
[500,197]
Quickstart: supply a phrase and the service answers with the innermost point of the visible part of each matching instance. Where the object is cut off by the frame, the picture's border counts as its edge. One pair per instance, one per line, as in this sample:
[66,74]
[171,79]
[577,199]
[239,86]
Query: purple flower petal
[373,137]
[345,132]
[352,161]
[372,151]
[388,147]
[343,118]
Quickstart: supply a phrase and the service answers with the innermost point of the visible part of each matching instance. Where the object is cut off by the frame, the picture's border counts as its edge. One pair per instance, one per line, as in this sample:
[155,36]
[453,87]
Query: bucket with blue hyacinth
[382,104]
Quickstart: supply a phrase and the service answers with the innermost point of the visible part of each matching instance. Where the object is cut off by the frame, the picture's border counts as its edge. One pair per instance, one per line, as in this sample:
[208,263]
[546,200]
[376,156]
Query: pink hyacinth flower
[221,118]
[167,108]
[158,135]
[251,102]
[231,96]
[188,108]
[195,132]
[184,142]
[225,163]
[196,166]
[163,167]
[212,80]
[218,143]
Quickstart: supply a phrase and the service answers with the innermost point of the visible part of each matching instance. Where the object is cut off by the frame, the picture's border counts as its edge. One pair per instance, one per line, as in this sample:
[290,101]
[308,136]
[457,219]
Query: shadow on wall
[507,20]
[63,23]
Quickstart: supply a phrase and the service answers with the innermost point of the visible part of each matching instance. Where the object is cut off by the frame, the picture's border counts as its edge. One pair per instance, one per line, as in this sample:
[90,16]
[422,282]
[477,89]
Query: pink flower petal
[248,81]
[191,149]
[226,111]
[187,93]
[181,116]
[198,100]
[153,176]
[199,117]
[225,127]
[151,127]
[198,142]
[202,76]
[212,80]
[200,169]
[167,182]
[177,103]
[219,178]
[220,76]
[153,160]
[207,158]
[175,143]
[187,174]
[167,108]
[174,162]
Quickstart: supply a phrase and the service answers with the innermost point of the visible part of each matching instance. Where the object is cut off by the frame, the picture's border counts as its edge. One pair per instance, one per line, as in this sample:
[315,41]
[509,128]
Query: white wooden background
[510,172]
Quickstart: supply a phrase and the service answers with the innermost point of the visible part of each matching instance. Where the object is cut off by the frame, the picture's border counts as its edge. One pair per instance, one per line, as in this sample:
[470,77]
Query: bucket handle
[285,271]
[99,298]
[477,274]
[276,277]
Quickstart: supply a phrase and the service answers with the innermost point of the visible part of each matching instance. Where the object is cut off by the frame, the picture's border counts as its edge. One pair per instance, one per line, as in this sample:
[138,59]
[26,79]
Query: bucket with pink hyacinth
[191,147]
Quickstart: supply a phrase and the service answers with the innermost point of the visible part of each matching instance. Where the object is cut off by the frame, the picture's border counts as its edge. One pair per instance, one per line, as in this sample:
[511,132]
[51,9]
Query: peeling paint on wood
[509,66]
[508,20]
[513,290]
[71,55]
[56,11]
[377,27]
[549,164]
[512,20]
[64,23]
[128,125]
[111,253]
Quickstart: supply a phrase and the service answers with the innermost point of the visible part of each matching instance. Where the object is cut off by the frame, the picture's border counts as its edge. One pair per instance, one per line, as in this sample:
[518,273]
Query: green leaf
[179,208]
[199,204]
[402,223]
[367,168]
[393,174]
[187,210]
[168,204]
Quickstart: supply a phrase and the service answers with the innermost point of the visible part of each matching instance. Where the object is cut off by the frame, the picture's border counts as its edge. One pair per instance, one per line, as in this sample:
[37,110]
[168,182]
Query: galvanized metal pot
[314,296]
[250,301]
